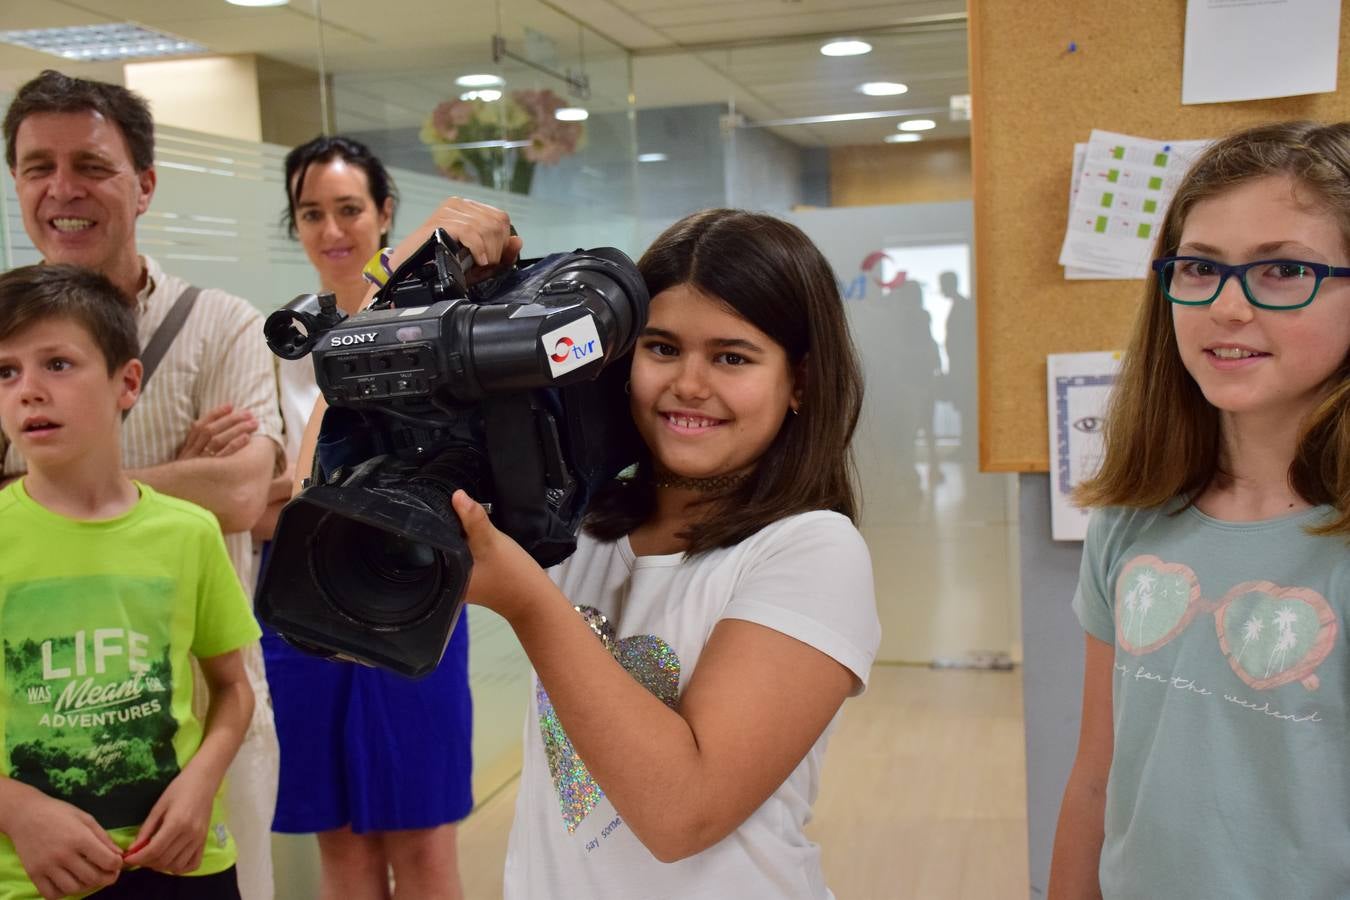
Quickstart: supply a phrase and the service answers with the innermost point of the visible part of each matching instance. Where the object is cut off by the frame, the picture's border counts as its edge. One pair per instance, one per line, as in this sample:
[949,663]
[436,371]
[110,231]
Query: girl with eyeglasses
[1216,572]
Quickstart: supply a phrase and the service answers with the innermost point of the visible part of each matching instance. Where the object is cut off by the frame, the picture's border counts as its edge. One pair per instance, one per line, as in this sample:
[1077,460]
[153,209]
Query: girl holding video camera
[692,654]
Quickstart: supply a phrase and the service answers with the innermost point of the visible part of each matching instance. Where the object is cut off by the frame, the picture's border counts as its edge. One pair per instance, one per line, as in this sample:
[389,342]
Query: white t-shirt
[808,576]
[299,391]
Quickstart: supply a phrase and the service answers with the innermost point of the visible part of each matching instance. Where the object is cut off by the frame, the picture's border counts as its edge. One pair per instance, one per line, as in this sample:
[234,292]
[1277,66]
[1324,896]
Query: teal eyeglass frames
[1267,283]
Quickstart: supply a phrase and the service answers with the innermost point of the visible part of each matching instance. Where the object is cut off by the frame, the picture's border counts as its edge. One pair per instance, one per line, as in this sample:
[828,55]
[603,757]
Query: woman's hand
[505,578]
[485,231]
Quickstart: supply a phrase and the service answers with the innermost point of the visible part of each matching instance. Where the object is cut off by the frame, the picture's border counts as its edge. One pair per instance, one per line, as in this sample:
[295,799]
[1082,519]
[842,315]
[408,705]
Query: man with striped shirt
[207,426]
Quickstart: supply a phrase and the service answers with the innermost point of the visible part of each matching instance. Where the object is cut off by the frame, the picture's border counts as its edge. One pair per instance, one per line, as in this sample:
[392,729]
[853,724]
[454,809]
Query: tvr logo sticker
[572,346]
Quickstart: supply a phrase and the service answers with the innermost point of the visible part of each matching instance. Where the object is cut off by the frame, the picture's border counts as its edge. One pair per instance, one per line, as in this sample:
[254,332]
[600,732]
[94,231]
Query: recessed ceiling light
[487,95]
[917,125]
[480,81]
[846,47]
[882,88]
[85,43]
[902,138]
[571,114]
[257,2]
[651,157]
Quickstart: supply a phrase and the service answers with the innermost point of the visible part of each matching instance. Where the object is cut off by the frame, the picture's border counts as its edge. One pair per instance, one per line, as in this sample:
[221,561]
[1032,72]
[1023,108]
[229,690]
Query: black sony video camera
[507,389]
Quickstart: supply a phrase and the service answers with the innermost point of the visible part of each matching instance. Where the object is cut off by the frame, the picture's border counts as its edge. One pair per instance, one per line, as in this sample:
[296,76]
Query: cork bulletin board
[1043,75]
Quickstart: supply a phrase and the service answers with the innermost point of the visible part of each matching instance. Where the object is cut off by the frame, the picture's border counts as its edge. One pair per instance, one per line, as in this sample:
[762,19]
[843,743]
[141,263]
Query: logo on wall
[871,265]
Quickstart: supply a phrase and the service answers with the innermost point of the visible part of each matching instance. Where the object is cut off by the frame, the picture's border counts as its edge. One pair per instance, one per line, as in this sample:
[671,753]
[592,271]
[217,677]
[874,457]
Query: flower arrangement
[525,115]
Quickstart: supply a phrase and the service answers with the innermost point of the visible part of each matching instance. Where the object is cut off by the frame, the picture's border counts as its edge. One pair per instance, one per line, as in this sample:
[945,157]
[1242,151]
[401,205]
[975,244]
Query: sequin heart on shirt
[652,662]
[1275,635]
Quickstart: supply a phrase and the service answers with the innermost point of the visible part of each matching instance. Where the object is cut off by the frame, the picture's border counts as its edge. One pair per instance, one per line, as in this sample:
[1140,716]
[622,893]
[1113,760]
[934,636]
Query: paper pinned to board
[1072,272]
[1257,49]
[1079,388]
[1118,199]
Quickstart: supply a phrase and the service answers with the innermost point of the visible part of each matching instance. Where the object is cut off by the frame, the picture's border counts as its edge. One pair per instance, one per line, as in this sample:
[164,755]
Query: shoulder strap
[165,333]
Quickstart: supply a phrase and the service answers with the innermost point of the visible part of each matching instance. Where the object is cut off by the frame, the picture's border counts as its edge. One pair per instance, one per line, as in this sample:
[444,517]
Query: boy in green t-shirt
[108,782]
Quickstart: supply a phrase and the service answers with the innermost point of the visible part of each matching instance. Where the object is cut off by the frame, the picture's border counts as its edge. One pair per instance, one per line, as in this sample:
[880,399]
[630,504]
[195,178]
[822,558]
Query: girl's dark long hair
[771,274]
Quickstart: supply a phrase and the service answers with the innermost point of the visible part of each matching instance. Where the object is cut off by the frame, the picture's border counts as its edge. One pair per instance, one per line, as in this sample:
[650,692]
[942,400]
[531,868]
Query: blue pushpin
[1073,46]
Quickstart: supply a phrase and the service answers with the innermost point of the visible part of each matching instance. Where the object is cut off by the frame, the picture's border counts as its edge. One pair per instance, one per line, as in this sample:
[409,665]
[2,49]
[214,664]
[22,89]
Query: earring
[796,411]
[628,387]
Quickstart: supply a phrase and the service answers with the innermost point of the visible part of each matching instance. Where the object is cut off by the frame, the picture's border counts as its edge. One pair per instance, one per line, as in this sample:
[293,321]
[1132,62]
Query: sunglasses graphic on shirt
[1271,635]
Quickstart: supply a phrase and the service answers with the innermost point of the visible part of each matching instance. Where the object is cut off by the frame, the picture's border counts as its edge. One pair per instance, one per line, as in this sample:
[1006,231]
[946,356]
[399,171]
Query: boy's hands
[174,834]
[63,850]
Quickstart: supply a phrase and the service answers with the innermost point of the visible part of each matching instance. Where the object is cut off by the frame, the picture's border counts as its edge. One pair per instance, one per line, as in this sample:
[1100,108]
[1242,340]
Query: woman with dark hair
[692,653]
[376,764]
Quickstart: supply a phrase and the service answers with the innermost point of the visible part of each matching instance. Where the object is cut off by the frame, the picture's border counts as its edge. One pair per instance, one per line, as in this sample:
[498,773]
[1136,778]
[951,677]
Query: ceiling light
[651,157]
[480,81]
[882,88]
[487,95]
[257,2]
[846,47]
[902,138]
[86,43]
[917,125]
[571,114]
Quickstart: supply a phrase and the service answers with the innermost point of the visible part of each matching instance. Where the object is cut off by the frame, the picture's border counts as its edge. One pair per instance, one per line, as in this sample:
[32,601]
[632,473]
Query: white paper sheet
[1255,49]
[1119,200]
[1079,385]
[1073,273]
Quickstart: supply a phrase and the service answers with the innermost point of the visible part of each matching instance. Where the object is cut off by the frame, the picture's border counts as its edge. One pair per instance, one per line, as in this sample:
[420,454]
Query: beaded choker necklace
[704,485]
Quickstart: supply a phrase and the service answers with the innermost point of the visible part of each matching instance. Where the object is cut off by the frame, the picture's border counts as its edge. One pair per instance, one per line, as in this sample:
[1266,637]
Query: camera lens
[397,559]
[376,577]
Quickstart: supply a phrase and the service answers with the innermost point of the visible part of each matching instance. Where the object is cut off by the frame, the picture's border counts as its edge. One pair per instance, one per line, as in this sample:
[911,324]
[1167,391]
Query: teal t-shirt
[1231,772]
[97,621]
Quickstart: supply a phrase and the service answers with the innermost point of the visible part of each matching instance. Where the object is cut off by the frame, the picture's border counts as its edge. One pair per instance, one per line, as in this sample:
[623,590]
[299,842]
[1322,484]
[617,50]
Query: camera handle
[524,468]
[451,262]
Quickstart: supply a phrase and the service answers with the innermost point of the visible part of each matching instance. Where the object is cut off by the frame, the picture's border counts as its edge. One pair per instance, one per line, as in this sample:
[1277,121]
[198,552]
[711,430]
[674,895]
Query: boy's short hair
[55,92]
[33,294]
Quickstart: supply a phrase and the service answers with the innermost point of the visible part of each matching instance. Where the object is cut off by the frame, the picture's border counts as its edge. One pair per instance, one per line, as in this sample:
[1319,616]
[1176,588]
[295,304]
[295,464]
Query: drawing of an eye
[1090,424]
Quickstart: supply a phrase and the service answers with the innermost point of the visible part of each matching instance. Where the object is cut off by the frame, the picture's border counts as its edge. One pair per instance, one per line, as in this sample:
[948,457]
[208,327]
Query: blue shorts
[369,749]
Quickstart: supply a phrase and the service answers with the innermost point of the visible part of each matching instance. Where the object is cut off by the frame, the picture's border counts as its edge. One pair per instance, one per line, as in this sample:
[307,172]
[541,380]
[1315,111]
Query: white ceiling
[396,59]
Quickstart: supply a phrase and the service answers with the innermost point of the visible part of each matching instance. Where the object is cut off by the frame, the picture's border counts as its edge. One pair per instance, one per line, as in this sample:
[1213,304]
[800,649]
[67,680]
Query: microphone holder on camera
[293,330]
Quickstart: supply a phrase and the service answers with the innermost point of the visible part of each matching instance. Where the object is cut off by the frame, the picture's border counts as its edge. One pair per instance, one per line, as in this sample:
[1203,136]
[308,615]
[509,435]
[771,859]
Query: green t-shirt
[98,620]
[1231,772]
